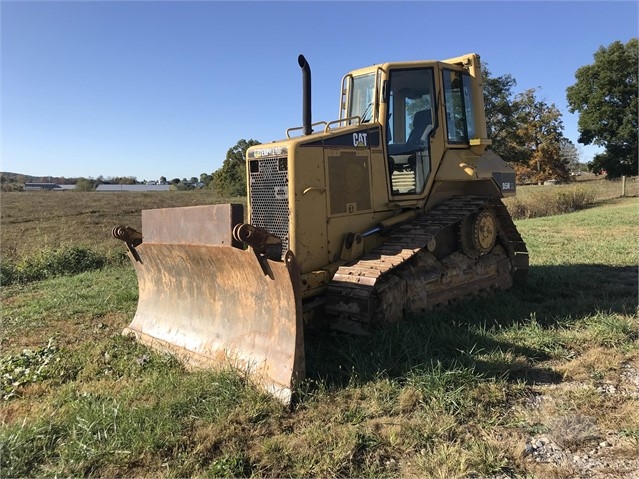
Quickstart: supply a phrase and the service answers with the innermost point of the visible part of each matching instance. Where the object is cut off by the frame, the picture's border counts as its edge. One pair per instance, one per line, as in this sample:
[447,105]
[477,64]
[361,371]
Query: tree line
[15,181]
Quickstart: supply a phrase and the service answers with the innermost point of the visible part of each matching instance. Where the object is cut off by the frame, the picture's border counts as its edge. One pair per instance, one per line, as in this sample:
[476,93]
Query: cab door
[410,123]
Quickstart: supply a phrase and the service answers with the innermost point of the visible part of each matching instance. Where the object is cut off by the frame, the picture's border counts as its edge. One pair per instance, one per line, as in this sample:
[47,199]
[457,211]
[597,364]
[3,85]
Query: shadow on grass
[470,332]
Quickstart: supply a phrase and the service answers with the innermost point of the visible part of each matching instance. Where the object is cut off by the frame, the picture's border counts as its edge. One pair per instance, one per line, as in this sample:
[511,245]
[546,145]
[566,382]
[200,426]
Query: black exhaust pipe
[306,94]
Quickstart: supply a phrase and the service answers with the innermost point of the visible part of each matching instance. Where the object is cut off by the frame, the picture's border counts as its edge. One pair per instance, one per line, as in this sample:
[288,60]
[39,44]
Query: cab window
[460,124]
[362,97]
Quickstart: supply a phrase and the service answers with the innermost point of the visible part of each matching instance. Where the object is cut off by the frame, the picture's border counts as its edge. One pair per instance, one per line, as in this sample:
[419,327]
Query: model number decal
[264,152]
[506,186]
[281,193]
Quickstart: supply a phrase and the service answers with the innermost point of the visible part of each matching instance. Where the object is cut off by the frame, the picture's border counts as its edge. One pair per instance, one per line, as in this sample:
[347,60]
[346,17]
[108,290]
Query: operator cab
[410,99]
[404,100]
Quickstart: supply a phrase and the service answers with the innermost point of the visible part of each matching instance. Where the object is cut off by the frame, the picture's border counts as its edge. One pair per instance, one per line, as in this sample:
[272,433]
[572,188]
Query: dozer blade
[217,305]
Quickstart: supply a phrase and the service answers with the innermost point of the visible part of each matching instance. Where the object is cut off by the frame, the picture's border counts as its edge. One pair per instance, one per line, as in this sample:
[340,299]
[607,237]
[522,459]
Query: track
[409,272]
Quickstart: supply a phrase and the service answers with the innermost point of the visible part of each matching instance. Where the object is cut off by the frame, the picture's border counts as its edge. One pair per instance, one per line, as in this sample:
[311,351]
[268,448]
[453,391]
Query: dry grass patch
[409,399]
[471,457]
[595,365]
[573,430]
[535,201]
[34,403]
[36,220]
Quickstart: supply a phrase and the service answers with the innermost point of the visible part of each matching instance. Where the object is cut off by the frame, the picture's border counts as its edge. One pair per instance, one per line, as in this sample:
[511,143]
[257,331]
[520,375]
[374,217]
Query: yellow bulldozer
[384,212]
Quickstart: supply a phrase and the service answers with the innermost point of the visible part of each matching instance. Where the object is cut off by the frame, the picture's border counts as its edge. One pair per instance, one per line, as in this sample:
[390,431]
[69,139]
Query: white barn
[138,188]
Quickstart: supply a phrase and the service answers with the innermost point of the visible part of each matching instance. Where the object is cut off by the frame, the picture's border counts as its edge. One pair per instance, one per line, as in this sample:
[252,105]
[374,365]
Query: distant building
[47,187]
[138,188]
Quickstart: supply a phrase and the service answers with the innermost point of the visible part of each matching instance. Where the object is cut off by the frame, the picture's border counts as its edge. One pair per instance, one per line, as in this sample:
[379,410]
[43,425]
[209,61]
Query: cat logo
[360,140]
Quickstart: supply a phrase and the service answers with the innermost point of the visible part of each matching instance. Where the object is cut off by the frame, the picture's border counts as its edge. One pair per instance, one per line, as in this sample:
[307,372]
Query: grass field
[37,220]
[540,382]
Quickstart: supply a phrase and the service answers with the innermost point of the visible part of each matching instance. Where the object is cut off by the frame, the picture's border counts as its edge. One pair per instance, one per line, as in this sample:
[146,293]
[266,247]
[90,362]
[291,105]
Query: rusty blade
[212,306]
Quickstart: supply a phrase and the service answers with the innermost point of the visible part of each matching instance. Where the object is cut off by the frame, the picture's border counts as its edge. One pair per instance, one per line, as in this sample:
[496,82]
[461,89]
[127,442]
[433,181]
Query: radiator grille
[269,197]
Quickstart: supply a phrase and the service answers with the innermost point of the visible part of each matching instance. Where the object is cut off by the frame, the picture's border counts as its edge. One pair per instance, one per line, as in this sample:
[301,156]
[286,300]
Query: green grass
[48,263]
[444,394]
[85,298]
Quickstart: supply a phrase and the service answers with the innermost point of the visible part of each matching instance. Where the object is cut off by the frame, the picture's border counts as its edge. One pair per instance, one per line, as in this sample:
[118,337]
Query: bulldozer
[392,208]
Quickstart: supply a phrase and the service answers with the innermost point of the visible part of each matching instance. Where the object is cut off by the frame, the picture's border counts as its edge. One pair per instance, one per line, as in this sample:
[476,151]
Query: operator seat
[421,121]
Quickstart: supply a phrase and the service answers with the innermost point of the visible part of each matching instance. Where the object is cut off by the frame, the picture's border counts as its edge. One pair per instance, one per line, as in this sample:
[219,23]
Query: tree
[570,155]
[124,180]
[206,179]
[230,179]
[500,113]
[605,96]
[83,184]
[9,182]
[525,131]
[539,131]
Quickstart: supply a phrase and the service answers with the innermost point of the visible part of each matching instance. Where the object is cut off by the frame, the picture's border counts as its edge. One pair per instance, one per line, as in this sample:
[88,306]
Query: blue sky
[150,89]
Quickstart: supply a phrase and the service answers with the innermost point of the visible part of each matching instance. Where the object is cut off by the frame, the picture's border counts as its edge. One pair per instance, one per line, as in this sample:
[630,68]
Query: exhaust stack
[306,94]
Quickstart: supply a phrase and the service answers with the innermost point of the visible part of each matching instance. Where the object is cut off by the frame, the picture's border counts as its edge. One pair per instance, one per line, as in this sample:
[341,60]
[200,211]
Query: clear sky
[150,89]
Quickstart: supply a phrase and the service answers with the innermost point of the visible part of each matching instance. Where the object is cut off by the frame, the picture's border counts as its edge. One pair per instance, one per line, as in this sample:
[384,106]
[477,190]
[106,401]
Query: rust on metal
[131,237]
[257,238]
[204,225]
[128,235]
[211,305]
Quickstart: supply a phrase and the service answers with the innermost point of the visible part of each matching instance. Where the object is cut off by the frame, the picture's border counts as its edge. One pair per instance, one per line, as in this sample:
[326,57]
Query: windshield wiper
[366,111]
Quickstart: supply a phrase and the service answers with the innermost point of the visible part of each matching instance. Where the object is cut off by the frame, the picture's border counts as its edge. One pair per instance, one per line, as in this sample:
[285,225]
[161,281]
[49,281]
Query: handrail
[328,125]
[301,128]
